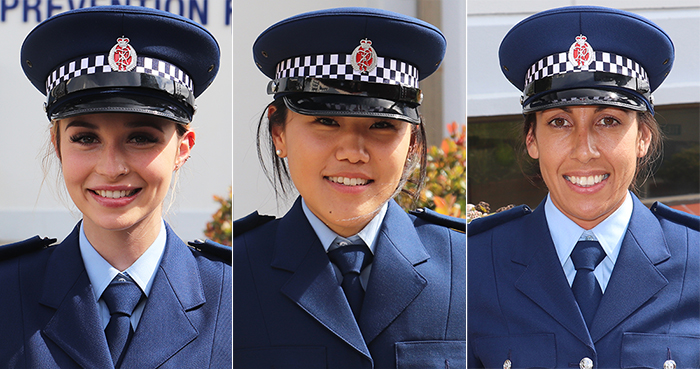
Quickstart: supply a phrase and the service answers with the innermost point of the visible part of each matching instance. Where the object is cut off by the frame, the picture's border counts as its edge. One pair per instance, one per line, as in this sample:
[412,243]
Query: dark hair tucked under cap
[350,61]
[586,55]
[126,59]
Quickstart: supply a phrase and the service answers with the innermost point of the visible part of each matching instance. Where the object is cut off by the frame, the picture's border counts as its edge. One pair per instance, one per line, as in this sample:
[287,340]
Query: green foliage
[219,229]
[445,189]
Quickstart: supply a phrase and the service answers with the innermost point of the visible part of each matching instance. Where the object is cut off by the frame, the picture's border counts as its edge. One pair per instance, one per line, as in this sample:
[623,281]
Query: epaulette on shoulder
[479,225]
[212,248]
[35,243]
[432,216]
[676,216]
[250,221]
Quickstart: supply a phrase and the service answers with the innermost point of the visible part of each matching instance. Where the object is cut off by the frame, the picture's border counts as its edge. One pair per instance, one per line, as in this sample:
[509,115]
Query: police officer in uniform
[121,290]
[591,278]
[348,279]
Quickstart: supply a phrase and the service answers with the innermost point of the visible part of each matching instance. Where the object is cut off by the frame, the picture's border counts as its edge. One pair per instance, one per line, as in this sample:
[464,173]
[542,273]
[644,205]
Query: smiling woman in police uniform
[345,127]
[122,290]
[591,277]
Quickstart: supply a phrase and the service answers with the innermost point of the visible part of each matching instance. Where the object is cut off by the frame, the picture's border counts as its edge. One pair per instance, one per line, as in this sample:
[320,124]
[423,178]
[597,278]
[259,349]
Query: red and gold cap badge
[580,52]
[364,58]
[122,57]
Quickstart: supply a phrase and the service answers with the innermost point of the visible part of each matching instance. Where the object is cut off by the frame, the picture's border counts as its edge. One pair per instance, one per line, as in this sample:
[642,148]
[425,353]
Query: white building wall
[28,201]
[488,91]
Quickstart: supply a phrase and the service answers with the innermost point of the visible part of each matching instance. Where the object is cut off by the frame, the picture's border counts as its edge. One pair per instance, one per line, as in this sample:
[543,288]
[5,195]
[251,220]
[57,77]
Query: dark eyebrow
[132,124]
[81,123]
[142,123]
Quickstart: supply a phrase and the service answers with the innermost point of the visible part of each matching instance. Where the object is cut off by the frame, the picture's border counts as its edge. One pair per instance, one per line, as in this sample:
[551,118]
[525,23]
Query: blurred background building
[494,113]
[445,95]
[31,203]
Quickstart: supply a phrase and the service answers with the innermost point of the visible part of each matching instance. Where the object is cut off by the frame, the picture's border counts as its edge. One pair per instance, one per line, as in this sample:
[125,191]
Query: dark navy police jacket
[521,308]
[290,311]
[50,320]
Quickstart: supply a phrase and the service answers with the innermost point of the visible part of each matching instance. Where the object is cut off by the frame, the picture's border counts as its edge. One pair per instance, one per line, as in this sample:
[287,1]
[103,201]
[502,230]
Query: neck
[121,248]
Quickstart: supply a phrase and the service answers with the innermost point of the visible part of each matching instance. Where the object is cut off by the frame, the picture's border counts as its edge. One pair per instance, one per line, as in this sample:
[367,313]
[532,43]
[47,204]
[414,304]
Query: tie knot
[350,257]
[587,255]
[122,295]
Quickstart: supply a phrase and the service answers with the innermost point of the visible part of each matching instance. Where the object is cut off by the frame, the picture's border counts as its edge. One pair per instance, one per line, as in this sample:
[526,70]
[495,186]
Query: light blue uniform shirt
[368,234]
[609,233]
[141,271]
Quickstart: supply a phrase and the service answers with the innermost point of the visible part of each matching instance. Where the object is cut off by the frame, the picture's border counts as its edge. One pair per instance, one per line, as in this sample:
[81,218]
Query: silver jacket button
[507,364]
[669,364]
[586,363]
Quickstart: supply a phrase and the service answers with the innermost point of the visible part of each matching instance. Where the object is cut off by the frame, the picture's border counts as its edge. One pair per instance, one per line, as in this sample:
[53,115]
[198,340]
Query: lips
[587,181]
[115,194]
[349,181]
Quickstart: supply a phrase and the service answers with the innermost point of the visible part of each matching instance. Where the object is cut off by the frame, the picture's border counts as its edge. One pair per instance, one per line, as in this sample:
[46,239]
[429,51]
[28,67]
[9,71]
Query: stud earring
[278,152]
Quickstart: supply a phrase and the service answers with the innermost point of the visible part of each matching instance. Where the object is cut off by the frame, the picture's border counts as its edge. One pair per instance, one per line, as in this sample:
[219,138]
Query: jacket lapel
[75,326]
[543,279]
[165,328]
[394,281]
[313,284]
[635,278]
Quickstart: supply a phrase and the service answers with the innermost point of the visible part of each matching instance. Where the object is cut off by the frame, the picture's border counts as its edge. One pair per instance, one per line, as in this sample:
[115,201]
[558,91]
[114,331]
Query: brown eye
[558,122]
[609,121]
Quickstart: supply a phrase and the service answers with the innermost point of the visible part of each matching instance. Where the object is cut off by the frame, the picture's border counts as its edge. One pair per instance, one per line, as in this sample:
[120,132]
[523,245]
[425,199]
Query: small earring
[278,152]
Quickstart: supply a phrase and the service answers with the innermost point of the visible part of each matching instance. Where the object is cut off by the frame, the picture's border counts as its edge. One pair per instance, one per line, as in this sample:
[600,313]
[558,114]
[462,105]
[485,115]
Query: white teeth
[587,181]
[115,194]
[349,181]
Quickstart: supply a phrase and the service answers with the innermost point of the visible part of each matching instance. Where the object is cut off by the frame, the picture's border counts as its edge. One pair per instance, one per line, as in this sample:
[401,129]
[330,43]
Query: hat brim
[121,101]
[586,96]
[353,106]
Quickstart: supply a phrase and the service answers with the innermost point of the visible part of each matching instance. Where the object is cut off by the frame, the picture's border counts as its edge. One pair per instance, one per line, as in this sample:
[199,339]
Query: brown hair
[278,174]
[645,165]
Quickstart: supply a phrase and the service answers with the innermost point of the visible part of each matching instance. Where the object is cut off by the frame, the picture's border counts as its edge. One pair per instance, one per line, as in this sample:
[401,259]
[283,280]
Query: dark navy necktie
[351,258]
[121,296]
[586,256]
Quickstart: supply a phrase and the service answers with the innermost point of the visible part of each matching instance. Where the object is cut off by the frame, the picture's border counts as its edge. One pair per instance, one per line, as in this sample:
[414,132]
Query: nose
[584,145]
[351,147]
[111,163]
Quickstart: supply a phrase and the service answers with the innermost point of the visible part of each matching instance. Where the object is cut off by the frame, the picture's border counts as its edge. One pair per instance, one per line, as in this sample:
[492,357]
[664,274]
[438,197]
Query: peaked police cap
[586,55]
[120,59]
[350,61]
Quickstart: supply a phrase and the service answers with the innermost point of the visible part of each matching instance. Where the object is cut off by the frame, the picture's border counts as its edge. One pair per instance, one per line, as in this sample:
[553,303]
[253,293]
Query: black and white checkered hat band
[339,66]
[99,64]
[602,62]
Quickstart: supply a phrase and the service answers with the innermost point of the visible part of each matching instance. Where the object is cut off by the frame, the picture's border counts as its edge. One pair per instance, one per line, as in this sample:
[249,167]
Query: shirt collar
[368,234]
[609,233]
[142,271]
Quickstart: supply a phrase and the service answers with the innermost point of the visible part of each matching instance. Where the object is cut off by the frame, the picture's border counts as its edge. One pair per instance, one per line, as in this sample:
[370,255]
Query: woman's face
[588,157]
[118,167]
[345,168]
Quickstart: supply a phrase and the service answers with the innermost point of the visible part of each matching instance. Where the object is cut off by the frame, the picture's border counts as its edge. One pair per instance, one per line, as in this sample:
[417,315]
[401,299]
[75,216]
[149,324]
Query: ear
[531,142]
[55,137]
[185,148]
[278,136]
[643,140]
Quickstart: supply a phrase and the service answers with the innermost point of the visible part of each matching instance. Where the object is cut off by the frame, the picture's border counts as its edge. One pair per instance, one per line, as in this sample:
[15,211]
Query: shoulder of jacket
[434,217]
[480,225]
[662,211]
[35,243]
[212,248]
[249,222]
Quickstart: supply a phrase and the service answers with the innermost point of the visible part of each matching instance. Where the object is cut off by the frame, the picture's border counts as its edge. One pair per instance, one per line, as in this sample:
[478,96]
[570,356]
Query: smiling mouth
[587,181]
[115,194]
[350,181]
